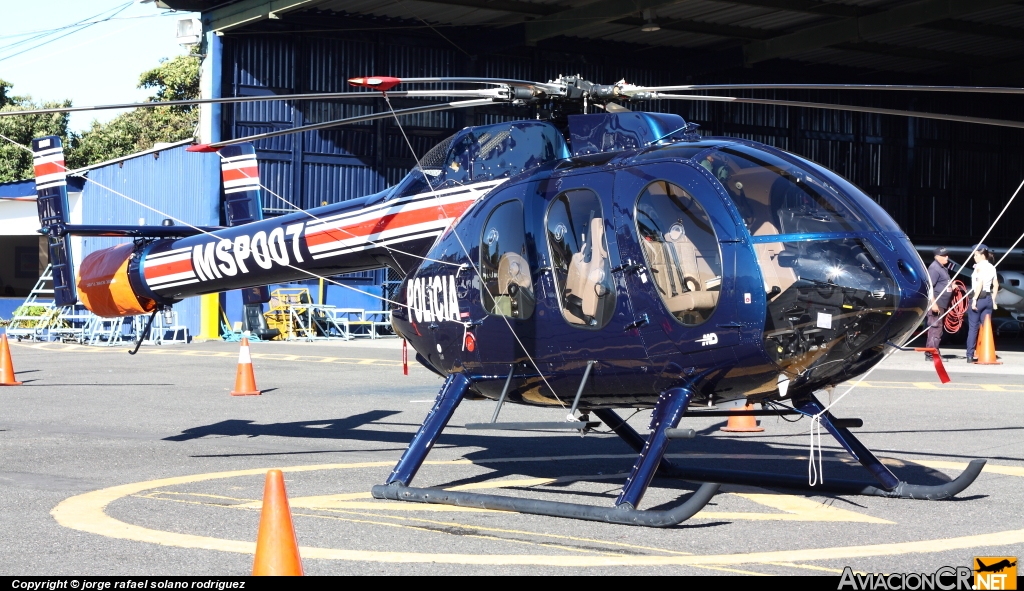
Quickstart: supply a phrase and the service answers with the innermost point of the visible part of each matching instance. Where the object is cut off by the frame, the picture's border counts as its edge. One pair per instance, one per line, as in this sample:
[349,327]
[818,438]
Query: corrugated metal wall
[943,182]
[336,165]
[178,184]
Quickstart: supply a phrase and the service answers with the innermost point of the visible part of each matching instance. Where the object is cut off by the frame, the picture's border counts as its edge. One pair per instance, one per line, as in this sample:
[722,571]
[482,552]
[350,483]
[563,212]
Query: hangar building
[943,182]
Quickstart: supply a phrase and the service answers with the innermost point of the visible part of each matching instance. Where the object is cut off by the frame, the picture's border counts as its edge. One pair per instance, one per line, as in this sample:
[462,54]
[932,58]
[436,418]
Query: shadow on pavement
[583,455]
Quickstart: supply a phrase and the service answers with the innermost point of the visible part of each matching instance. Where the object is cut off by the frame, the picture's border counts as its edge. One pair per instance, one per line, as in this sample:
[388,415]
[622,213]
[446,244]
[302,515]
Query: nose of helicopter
[847,300]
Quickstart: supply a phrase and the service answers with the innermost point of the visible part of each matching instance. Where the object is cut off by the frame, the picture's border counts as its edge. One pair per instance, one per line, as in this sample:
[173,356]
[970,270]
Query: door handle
[730,325]
[643,320]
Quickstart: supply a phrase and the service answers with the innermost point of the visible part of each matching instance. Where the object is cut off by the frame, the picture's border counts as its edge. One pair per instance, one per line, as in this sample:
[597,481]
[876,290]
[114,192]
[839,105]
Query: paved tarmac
[111,464]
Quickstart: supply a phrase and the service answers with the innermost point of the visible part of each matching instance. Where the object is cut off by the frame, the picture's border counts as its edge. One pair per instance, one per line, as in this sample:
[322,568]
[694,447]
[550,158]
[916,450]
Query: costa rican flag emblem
[240,173]
[48,161]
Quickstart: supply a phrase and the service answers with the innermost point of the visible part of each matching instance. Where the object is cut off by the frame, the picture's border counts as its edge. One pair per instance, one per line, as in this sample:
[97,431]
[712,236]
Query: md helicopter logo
[709,339]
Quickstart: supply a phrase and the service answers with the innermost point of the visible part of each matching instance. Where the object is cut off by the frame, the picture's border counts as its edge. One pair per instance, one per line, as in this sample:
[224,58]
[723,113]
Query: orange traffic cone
[743,423]
[6,365]
[277,550]
[245,379]
[986,347]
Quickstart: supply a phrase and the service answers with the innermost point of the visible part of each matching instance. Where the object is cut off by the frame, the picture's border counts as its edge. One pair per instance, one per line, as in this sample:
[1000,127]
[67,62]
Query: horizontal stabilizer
[127,231]
[52,204]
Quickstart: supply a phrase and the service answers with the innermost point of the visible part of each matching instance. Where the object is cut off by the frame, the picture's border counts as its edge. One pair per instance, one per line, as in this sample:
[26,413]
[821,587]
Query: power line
[46,32]
[119,18]
[81,27]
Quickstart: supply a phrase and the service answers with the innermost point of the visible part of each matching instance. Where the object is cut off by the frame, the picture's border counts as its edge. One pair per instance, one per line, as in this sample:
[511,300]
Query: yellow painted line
[462,526]
[75,348]
[85,512]
[957,386]
[316,502]
[455,525]
[72,347]
[403,507]
[158,494]
[536,534]
[837,571]
[505,483]
[989,468]
[796,508]
[735,570]
[257,505]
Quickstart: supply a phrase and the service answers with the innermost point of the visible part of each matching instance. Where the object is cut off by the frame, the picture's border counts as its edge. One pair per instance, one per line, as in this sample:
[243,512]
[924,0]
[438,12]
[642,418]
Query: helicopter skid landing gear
[891,486]
[669,409]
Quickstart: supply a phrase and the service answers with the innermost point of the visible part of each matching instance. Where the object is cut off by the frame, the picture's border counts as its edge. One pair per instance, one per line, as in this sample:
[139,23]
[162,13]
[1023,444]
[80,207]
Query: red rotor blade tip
[200,148]
[376,82]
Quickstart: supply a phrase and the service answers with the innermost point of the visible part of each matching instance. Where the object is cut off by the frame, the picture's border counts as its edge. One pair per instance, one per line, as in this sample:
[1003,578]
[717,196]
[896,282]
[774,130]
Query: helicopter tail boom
[170,262]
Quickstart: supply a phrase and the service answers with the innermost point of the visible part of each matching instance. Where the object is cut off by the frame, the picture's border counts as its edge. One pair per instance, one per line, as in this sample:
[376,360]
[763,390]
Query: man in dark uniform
[938,274]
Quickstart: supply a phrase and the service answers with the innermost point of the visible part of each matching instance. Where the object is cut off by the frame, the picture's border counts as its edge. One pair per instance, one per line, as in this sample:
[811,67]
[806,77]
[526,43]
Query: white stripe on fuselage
[433,196]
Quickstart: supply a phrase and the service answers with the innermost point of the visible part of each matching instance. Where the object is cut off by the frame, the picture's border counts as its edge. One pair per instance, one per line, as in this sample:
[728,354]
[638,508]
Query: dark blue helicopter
[592,262]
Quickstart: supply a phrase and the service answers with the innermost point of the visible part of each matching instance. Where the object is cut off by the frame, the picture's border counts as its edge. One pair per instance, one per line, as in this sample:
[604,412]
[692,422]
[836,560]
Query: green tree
[16,162]
[141,129]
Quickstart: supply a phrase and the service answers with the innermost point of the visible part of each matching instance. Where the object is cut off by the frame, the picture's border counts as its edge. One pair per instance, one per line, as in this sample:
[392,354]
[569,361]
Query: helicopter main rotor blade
[905,87]
[549,87]
[497,93]
[877,110]
[382,115]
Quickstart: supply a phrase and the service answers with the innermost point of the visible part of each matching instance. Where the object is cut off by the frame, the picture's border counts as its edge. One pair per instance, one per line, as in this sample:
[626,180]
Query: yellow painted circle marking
[170,351]
[376,362]
[86,512]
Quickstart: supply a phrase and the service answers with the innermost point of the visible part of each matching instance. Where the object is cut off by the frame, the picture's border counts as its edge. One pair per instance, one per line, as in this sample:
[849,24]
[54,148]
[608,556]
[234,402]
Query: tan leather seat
[587,270]
[683,277]
[775,275]
[513,268]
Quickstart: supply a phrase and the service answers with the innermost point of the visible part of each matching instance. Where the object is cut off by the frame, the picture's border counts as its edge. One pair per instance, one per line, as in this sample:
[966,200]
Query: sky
[97,65]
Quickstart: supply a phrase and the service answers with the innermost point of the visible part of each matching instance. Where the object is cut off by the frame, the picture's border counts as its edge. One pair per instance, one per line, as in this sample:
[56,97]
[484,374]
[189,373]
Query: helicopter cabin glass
[579,258]
[502,150]
[777,197]
[681,251]
[826,299]
[483,153]
[507,283]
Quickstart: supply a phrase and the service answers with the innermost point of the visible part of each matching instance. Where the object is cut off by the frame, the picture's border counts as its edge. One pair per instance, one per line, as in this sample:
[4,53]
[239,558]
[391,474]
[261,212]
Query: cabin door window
[507,280]
[579,258]
[681,251]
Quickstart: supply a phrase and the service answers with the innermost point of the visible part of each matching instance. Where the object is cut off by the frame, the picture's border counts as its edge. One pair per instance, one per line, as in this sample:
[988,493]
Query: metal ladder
[104,331]
[163,332]
[34,326]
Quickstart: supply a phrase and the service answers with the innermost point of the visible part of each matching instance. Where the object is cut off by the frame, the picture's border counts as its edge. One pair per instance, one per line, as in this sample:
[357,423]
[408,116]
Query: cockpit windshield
[777,197]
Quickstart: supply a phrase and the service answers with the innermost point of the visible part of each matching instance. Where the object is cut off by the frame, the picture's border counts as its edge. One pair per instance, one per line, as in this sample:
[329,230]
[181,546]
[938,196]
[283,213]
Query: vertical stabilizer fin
[52,202]
[240,176]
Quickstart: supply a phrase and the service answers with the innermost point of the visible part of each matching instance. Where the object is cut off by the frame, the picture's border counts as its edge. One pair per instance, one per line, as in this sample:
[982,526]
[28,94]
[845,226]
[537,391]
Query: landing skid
[902,490]
[619,514]
[888,484]
[670,408]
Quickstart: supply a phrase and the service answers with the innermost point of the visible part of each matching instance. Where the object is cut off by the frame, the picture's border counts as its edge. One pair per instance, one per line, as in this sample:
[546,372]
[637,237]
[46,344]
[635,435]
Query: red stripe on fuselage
[155,271]
[392,221]
[50,168]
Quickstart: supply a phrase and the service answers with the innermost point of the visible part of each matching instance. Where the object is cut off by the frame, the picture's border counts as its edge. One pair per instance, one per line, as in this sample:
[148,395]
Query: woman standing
[984,287]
